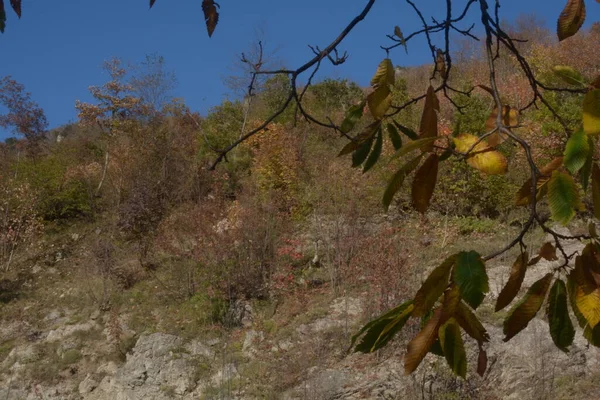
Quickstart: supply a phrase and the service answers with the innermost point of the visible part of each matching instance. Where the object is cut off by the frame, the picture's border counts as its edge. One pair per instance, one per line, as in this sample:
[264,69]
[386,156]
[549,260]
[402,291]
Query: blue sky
[57,48]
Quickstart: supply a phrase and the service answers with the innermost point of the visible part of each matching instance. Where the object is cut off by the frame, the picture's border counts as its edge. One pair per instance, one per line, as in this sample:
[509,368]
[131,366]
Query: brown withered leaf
[16,5]
[534,260]
[2,17]
[524,194]
[368,132]
[596,190]
[419,347]
[467,319]
[510,118]
[548,251]
[424,183]
[450,303]
[211,15]
[571,19]
[429,118]
[591,259]
[527,308]
[482,362]
[512,287]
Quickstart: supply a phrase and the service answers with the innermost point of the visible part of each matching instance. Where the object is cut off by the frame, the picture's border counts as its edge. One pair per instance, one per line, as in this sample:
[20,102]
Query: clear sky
[57,48]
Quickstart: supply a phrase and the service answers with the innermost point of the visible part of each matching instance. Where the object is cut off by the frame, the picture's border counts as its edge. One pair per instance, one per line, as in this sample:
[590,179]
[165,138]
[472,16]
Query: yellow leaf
[464,142]
[385,75]
[482,157]
[379,101]
[591,112]
[489,162]
[586,292]
[589,305]
[571,19]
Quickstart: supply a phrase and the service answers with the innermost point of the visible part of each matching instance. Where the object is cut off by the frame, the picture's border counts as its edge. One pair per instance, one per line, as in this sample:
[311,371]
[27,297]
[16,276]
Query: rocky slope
[63,353]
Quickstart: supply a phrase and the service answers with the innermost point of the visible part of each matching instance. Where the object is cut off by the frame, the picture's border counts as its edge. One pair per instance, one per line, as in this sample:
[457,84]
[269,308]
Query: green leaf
[394,136]
[561,327]
[412,135]
[398,179]
[436,349]
[433,287]
[577,151]
[453,347]
[424,183]
[375,328]
[524,194]
[353,115]
[376,153]
[512,287]
[569,75]
[596,190]
[563,197]
[527,308]
[360,155]
[446,154]
[592,335]
[361,138]
[471,277]
[591,112]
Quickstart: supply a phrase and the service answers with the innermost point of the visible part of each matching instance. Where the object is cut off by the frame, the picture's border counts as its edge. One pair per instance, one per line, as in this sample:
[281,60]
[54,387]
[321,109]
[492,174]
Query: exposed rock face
[157,369]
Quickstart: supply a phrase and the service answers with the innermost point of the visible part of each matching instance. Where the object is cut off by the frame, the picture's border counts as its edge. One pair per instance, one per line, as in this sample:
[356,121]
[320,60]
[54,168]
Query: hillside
[151,252]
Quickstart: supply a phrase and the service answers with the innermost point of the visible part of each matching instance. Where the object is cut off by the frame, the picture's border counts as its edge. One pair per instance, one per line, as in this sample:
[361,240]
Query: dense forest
[253,243]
